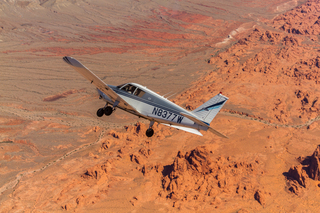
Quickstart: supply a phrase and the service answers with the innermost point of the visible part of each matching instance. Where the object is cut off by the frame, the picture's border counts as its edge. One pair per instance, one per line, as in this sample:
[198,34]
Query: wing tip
[72,61]
[66,59]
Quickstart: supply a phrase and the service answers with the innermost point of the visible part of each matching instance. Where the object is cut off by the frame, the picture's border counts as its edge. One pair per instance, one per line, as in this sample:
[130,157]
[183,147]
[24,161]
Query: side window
[129,88]
[139,93]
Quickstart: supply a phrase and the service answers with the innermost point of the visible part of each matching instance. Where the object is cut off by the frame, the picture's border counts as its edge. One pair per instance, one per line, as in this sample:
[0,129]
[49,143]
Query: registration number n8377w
[167,115]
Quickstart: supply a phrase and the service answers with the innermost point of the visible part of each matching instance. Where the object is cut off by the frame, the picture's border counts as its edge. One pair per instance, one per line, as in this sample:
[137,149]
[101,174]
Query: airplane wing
[186,129]
[197,121]
[95,80]
[165,122]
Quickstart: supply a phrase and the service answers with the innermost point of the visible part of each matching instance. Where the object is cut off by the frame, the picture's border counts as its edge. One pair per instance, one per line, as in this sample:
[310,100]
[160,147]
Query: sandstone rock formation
[279,66]
[260,197]
[97,171]
[195,176]
[297,177]
[302,20]
[314,166]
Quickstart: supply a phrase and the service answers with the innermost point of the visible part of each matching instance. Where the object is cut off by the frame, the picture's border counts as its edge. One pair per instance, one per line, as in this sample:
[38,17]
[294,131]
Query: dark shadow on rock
[304,160]
[167,170]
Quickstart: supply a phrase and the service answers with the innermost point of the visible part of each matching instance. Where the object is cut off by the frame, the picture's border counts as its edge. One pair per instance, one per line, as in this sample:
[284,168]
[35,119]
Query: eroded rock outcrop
[274,65]
[302,20]
[298,176]
[314,166]
[297,173]
[195,176]
[260,197]
[98,171]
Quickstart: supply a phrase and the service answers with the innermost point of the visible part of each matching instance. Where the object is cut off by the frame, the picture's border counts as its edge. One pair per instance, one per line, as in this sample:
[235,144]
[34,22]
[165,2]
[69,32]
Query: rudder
[210,109]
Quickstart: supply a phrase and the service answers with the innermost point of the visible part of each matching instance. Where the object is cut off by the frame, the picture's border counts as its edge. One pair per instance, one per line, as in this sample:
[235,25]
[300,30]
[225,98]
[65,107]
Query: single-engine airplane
[144,103]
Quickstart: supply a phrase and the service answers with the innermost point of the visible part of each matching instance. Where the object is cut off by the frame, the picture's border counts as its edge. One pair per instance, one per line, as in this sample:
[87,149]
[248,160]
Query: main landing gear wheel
[100,112]
[149,132]
[108,110]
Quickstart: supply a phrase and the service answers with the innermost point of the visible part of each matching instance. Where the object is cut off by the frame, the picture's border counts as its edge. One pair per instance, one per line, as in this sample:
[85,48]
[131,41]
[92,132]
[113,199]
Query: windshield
[132,89]
[129,88]
[121,85]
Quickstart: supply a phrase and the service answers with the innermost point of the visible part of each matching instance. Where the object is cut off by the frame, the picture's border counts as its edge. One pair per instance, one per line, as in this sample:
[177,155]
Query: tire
[149,132]
[108,110]
[100,112]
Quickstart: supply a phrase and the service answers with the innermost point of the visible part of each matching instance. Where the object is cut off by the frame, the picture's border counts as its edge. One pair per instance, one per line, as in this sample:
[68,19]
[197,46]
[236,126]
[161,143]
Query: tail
[210,109]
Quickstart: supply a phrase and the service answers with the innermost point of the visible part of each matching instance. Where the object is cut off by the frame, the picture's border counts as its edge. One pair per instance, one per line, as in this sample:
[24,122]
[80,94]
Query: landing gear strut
[150,131]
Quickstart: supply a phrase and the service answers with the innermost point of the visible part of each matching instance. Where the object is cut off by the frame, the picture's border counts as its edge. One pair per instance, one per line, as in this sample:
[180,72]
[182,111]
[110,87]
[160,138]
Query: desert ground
[56,155]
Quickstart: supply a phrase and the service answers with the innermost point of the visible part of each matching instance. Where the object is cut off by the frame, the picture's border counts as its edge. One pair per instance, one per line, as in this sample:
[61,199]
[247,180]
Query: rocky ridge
[282,67]
[298,176]
[194,176]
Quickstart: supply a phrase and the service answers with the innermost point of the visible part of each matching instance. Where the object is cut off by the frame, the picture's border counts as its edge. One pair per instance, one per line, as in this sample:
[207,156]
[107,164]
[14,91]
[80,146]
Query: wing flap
[95,80]
[196,120]
[171,124]
[186,129]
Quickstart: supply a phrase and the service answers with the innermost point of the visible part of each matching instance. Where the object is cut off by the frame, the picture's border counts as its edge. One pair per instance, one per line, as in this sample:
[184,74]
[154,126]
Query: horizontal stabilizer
[217,133]
[186,129]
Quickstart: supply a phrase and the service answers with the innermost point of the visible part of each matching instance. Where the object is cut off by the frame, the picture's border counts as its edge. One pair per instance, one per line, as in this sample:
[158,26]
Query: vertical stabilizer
[210,109]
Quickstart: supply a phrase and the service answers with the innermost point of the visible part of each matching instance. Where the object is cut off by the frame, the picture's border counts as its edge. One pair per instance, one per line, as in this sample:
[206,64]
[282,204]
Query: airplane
[144,103]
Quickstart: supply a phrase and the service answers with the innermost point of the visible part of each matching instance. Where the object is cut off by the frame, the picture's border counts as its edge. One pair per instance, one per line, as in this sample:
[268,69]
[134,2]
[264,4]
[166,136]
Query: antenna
[170,95]
[167,94]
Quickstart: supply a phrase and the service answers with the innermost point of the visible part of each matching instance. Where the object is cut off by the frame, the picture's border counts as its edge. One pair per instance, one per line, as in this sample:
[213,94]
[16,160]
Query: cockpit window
[132,89]
[121,85]
[139,93]
[129,88]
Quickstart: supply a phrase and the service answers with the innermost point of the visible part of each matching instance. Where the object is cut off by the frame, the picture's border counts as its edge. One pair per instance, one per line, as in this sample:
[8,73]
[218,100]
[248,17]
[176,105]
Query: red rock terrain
[281,68]
[58,156]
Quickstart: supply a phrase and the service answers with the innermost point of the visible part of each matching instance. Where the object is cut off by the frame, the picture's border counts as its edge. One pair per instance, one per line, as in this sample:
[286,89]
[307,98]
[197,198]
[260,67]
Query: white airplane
[144,103]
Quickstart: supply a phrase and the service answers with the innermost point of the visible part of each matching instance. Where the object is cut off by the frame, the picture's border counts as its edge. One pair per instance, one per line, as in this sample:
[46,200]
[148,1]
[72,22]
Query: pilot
[131,90]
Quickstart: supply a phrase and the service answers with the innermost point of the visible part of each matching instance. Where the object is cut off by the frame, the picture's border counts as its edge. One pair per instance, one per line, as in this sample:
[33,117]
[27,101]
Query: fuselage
[152,106]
